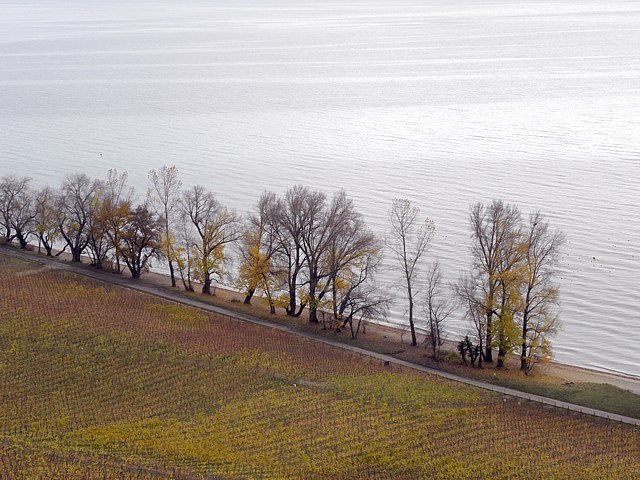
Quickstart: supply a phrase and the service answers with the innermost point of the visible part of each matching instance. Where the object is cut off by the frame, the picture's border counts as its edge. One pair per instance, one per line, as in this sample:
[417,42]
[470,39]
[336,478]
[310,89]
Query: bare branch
[409,241]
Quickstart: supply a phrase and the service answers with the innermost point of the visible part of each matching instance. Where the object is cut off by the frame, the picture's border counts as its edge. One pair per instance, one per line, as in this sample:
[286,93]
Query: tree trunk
[313,307]
[432,333]
[172,272]
[501,353]
[48,247]
[291,309]
[334,293]
[249,296]
[523,353]
[272,309]
[360,323]
[488,356]
[414,340]
[206,286]
[75,255]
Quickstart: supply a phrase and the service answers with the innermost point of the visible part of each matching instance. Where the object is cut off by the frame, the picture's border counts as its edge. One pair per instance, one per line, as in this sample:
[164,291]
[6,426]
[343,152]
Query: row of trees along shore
[303,250]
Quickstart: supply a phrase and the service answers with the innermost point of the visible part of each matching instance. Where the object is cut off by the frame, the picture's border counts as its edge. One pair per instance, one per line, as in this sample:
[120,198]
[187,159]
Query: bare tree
[164,195]
[99,246]
[438,308]
[352,248]
[46,224]
[493,229]
[409,241]
[76,205]
[359,296]
[333,237]
[185,252]
[13,194]
[23,213]
[287,223]
[215,227]
[541,250]
[469,291]
[140,240]
[315,240]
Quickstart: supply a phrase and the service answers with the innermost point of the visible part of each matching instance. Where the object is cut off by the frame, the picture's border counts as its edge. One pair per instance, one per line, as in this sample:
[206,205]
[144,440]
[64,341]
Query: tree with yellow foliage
[215,226]
[257,249]
[494,230]
[509,275]
[512,282]
[112,206]
[541,253]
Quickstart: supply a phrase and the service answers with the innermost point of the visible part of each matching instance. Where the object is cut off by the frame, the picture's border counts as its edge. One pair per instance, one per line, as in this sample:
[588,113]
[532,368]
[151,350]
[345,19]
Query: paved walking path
[176,297]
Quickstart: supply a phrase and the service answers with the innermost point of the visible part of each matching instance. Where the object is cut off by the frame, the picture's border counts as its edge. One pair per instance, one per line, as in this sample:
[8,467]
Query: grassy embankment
[101,382]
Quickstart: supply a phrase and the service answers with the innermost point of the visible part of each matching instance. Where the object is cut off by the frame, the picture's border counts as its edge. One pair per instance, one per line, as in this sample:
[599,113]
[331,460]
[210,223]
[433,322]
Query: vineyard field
[104,382]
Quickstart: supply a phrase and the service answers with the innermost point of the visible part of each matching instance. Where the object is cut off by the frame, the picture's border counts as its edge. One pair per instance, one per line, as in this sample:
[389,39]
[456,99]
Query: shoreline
[394,339]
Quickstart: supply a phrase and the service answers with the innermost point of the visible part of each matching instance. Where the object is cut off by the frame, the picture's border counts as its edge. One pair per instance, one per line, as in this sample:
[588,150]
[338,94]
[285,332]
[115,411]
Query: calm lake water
[445,102]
